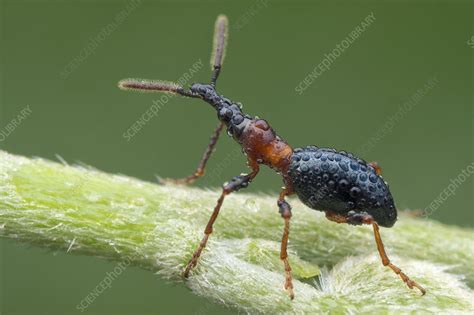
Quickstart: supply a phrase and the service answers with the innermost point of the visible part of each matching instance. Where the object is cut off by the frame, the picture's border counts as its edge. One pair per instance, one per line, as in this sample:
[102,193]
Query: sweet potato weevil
[348,189]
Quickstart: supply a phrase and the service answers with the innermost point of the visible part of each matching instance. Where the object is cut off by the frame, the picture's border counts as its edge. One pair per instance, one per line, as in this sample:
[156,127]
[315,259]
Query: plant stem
[85,211]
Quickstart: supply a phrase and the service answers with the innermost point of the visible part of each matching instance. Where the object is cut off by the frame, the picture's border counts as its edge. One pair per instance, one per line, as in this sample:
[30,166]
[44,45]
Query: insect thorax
[258,140]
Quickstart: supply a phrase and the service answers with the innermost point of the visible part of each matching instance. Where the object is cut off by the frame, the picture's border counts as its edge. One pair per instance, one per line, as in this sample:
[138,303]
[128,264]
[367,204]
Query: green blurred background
[82,117]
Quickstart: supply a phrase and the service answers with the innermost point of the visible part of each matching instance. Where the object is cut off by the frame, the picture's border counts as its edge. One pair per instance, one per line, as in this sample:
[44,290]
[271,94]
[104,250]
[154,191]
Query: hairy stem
[85,211]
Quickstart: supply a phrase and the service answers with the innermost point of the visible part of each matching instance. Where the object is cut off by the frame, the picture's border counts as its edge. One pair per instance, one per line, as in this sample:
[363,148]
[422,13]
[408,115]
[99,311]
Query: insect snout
[202,89]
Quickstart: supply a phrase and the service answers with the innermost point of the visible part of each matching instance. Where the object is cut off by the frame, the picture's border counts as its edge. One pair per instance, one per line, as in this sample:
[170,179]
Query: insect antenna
[154,86]
[219,46]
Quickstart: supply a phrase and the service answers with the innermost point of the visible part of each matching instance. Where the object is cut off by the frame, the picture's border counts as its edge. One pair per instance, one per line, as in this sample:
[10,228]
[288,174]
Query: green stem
[84,211]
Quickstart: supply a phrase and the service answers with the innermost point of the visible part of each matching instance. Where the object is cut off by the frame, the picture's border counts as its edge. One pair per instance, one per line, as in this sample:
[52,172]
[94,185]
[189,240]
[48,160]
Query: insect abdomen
[325,179]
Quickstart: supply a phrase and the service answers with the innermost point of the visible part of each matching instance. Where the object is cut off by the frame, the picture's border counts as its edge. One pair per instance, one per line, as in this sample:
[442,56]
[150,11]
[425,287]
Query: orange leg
[364,218]
[199,172]
[377,167]
[386,262]
[285,211]
[235,184]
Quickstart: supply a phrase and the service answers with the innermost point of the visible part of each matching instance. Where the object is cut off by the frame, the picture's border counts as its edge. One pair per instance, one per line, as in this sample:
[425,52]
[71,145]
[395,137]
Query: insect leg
[285,211]
[219,46]
[235,184]
[355,218]
[202,164]
[377,167]
[386,261]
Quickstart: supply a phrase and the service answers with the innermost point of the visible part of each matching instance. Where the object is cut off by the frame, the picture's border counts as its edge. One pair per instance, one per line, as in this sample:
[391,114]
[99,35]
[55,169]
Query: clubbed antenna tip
[219,46]
[149,86]
[220,40]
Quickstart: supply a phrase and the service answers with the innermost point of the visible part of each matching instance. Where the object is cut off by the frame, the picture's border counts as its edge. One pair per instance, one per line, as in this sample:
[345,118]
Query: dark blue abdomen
[325,179]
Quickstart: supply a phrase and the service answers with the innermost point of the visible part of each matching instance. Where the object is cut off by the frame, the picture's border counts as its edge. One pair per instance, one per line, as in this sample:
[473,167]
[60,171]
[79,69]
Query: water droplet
[373,178]
[343,166]
[262,124]
[353,177]
[354,192]
[343,183]
[354,165]
[237,119]
[251,205]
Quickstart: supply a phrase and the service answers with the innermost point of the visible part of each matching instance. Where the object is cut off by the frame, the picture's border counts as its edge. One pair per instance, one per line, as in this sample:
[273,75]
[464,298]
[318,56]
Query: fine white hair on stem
[157,227]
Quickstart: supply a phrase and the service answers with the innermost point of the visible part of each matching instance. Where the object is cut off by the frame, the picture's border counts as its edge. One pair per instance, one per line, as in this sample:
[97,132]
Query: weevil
[348,189]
